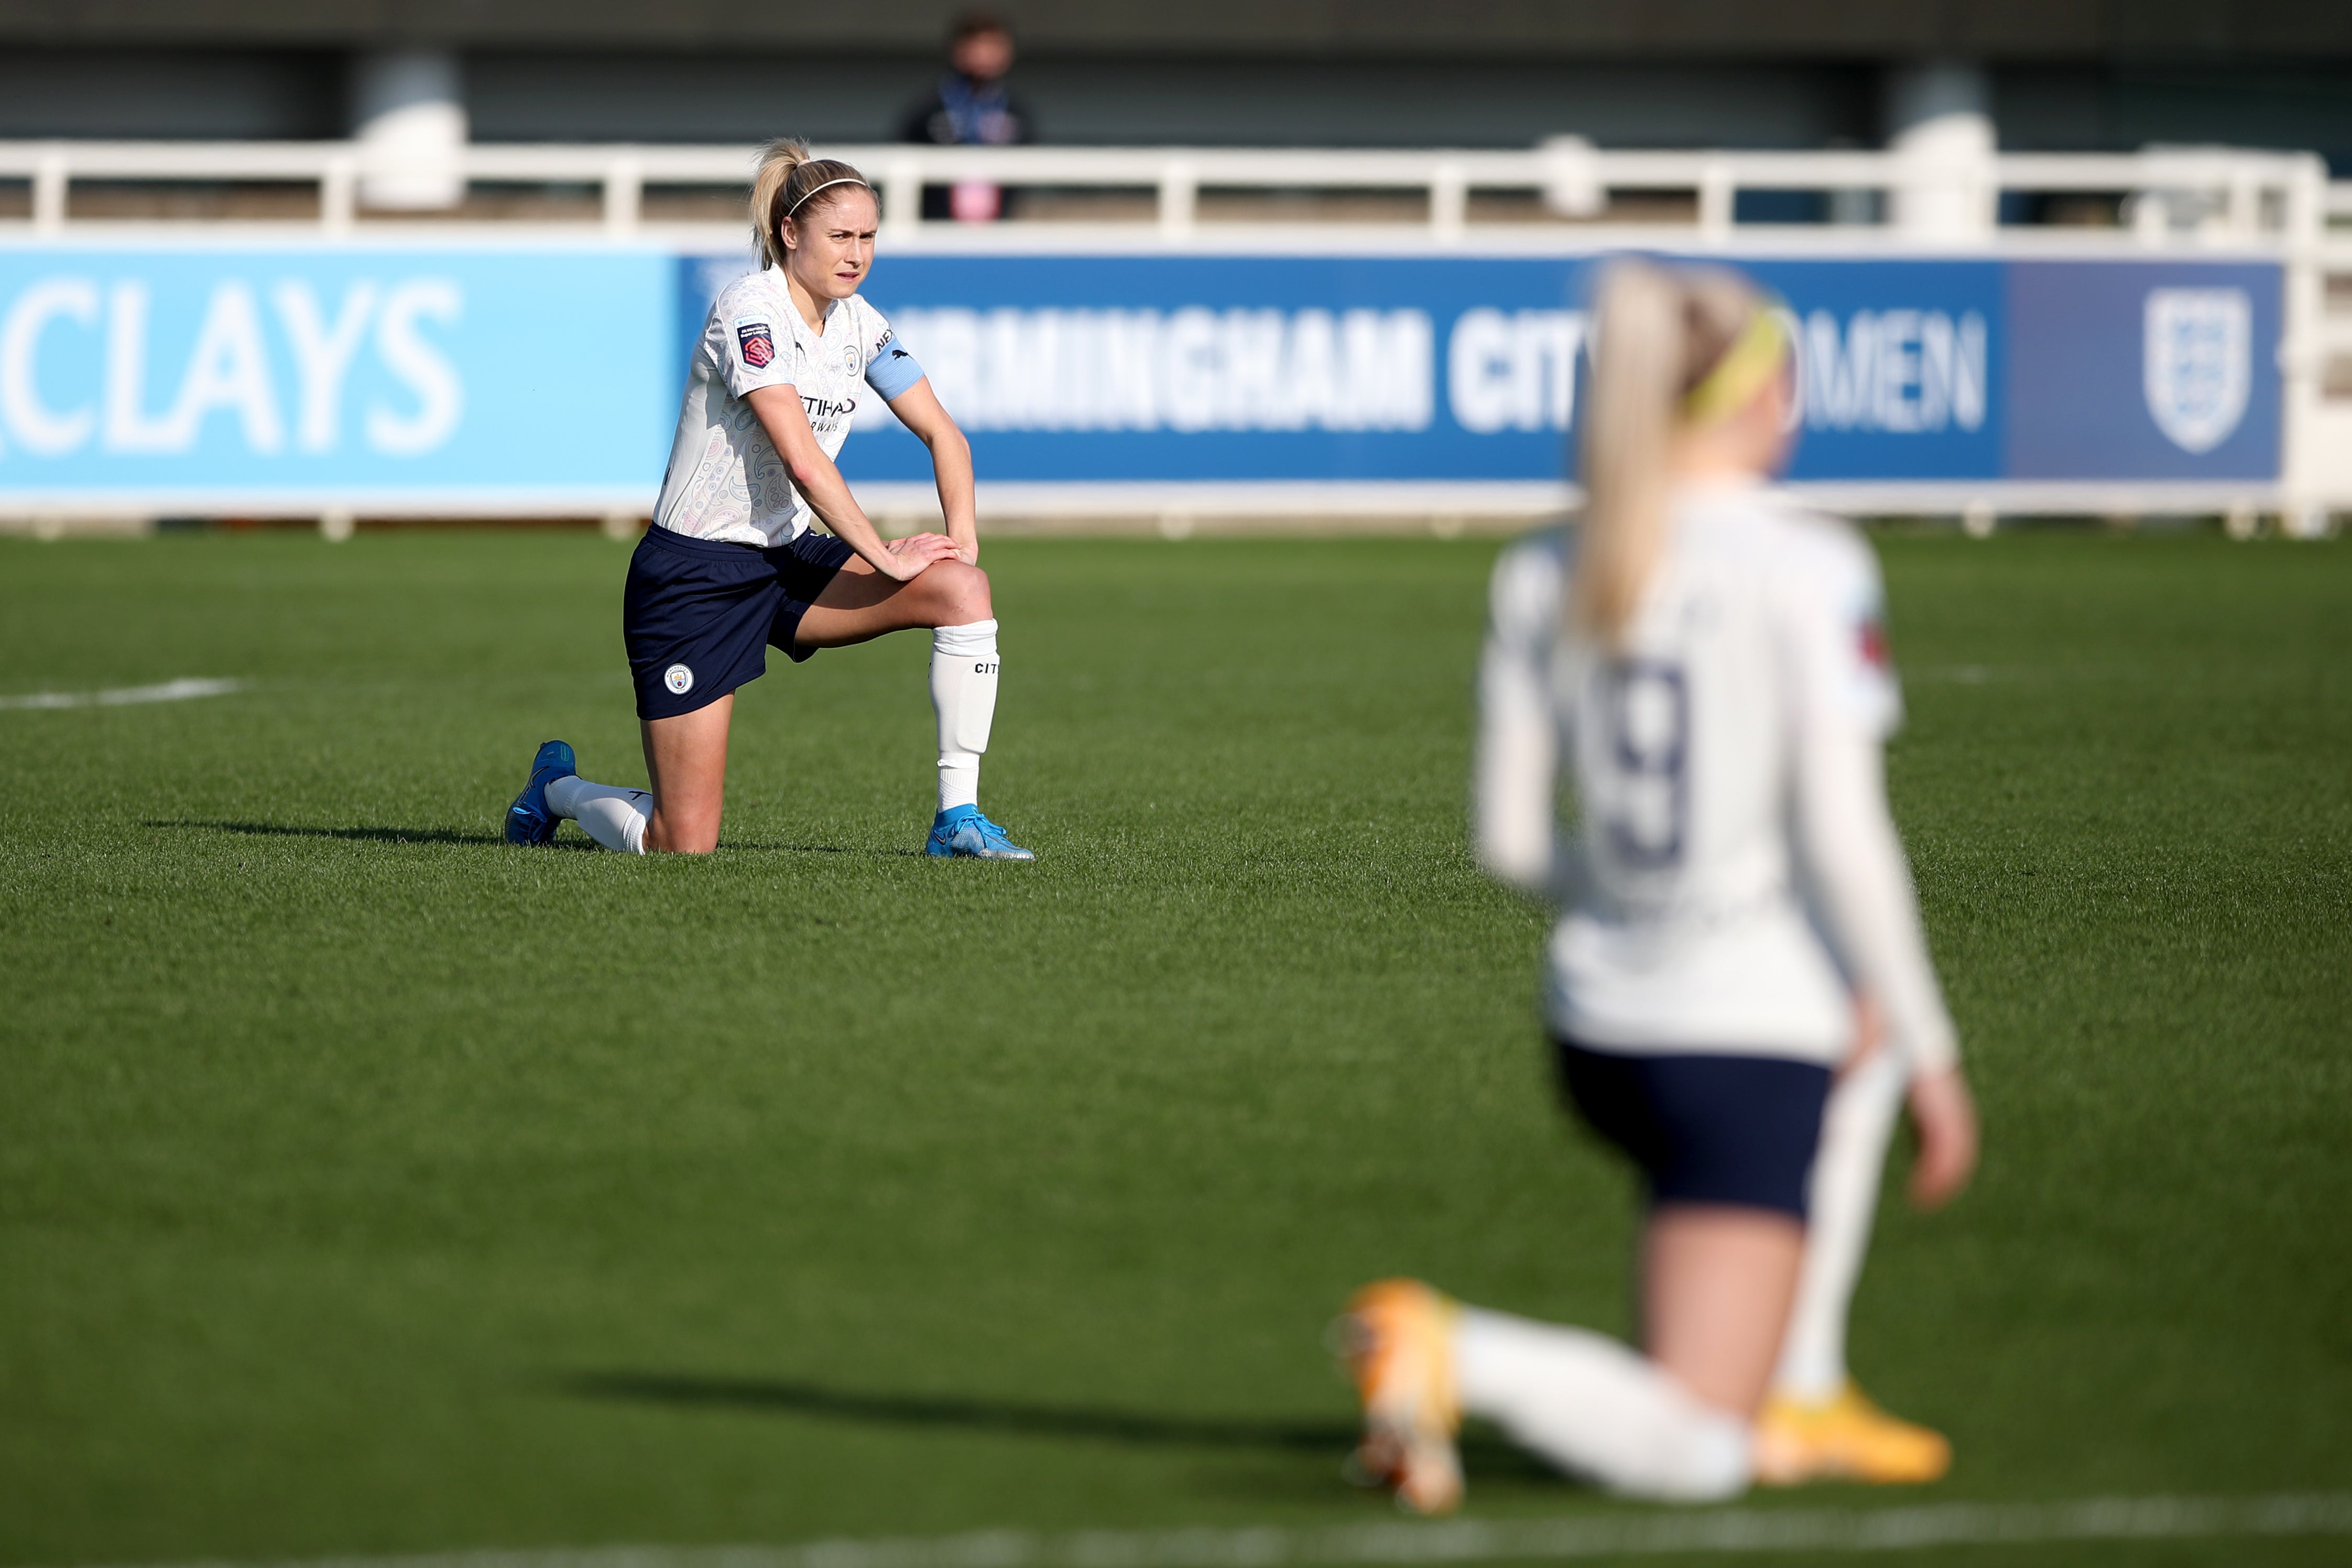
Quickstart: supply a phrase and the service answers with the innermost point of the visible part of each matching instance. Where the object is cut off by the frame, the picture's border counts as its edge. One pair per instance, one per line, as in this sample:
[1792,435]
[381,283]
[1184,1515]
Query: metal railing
[2167,195]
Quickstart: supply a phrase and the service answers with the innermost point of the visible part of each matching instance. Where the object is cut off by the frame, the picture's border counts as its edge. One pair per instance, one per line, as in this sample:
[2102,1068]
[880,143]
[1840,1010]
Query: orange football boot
[1397,1337]
[1844,1438]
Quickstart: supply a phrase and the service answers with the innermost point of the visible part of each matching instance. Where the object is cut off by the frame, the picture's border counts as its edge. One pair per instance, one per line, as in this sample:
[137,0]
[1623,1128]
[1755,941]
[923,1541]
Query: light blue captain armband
[894,369]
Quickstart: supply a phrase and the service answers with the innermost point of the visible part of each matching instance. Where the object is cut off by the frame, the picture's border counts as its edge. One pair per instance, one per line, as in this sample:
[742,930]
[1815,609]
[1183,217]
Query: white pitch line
[1732,1529]
[170,691]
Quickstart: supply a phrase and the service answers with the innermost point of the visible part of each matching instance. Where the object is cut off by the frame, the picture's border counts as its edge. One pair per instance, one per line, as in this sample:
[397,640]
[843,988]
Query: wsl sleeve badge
[1871,643]
[755,343]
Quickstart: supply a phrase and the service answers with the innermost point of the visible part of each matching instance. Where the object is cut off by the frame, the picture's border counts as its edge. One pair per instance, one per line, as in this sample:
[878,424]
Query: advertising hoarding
[186,377]
[1189,369]
[510,378]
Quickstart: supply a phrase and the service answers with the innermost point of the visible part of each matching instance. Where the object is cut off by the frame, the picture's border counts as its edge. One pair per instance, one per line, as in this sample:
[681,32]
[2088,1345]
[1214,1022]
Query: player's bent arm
[786,422]
[918,409]
[1854,867]
[1863,887]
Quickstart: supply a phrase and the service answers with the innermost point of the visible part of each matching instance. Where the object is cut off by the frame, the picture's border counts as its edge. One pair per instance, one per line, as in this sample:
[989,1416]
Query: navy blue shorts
[1740,1130]
[699,615]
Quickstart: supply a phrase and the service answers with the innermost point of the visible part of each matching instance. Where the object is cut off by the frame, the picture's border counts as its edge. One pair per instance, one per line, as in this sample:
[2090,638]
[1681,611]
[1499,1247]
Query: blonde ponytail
[1657,335]
[1629,421]
[787,177]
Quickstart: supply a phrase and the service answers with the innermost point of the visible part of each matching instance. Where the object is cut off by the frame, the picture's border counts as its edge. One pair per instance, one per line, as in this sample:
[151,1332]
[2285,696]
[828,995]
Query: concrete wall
[599,96]
[1792,29]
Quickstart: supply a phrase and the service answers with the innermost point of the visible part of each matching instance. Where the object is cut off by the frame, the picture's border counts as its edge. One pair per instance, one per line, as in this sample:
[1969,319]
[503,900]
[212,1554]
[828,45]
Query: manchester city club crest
[2196,364]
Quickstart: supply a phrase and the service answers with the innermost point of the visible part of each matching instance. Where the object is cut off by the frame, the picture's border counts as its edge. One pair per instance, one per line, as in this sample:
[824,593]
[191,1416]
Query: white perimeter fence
[1562,197]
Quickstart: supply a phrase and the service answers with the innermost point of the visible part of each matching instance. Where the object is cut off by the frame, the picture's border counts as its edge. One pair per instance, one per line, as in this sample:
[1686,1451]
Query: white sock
[1590,1405]
[963,692]
[616,819]
[1855,1129]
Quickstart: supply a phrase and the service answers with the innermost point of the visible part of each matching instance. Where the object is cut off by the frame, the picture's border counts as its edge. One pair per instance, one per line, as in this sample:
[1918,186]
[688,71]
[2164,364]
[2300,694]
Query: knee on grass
[689,837]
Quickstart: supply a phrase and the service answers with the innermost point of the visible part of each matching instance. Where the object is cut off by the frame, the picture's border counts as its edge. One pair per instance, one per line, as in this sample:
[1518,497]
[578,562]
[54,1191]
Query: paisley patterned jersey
[726,480]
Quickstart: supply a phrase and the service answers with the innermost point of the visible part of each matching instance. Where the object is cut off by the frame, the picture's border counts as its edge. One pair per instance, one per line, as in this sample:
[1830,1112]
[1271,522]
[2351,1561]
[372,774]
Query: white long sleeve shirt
[1734,872]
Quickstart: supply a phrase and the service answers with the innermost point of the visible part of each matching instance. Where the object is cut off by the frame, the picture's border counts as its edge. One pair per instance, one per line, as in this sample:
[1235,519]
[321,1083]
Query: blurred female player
[1710,666]
[732,566]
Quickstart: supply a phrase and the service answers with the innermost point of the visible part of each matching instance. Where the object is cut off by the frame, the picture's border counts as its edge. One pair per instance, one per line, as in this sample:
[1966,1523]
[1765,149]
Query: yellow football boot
[1844,1438]
[1398,1338]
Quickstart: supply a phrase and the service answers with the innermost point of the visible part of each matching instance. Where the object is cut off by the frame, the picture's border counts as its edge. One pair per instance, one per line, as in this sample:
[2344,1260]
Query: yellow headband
[1753,358]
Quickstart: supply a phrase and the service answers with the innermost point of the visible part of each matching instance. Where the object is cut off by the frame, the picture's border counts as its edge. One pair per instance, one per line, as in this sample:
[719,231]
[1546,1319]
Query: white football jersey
[726,480]
[1734,874]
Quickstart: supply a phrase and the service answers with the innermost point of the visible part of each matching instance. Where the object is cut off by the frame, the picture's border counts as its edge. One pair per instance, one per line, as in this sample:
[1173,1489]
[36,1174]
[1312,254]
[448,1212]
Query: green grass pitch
[367,1185]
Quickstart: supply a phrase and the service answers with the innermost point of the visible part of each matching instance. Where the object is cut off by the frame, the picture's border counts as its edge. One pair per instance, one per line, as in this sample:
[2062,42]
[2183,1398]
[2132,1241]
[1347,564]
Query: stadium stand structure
[2065,76]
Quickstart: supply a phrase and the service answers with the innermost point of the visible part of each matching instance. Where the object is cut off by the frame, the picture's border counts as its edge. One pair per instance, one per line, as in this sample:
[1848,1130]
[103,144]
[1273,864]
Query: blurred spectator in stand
[969,107]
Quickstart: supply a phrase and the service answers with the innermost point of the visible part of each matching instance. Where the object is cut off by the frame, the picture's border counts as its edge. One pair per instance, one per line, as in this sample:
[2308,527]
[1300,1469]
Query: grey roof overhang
[2021,30]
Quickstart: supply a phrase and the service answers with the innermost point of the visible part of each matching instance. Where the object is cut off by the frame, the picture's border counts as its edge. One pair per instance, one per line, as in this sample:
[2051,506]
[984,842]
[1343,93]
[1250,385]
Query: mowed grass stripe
[181,691]
[367,1186]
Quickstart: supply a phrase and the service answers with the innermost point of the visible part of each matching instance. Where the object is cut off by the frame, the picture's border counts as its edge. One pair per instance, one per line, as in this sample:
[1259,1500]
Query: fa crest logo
[2196,364]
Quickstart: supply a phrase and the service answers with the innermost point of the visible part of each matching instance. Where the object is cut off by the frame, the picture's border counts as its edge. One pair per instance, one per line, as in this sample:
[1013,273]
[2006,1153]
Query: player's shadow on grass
[785,1397]
[795,1398]
[728,845]
[452,836]
[363,834]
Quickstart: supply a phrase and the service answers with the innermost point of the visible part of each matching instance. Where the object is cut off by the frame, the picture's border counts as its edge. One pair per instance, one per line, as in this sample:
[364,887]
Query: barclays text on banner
[130,371]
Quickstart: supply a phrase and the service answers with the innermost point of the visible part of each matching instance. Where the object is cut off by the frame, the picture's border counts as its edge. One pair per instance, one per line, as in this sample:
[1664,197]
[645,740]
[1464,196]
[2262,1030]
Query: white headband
[844,180]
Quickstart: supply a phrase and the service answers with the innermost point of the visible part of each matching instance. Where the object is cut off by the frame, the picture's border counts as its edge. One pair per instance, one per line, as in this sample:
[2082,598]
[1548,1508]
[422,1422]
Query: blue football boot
[961,831]
[528,820]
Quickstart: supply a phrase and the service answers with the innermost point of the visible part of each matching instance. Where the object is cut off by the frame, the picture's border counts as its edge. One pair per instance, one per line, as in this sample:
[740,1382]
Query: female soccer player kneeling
[1708,664]
[731,567]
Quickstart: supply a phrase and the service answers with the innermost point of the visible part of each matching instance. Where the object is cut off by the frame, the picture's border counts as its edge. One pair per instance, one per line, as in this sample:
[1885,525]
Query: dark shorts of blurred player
[1704,1128]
